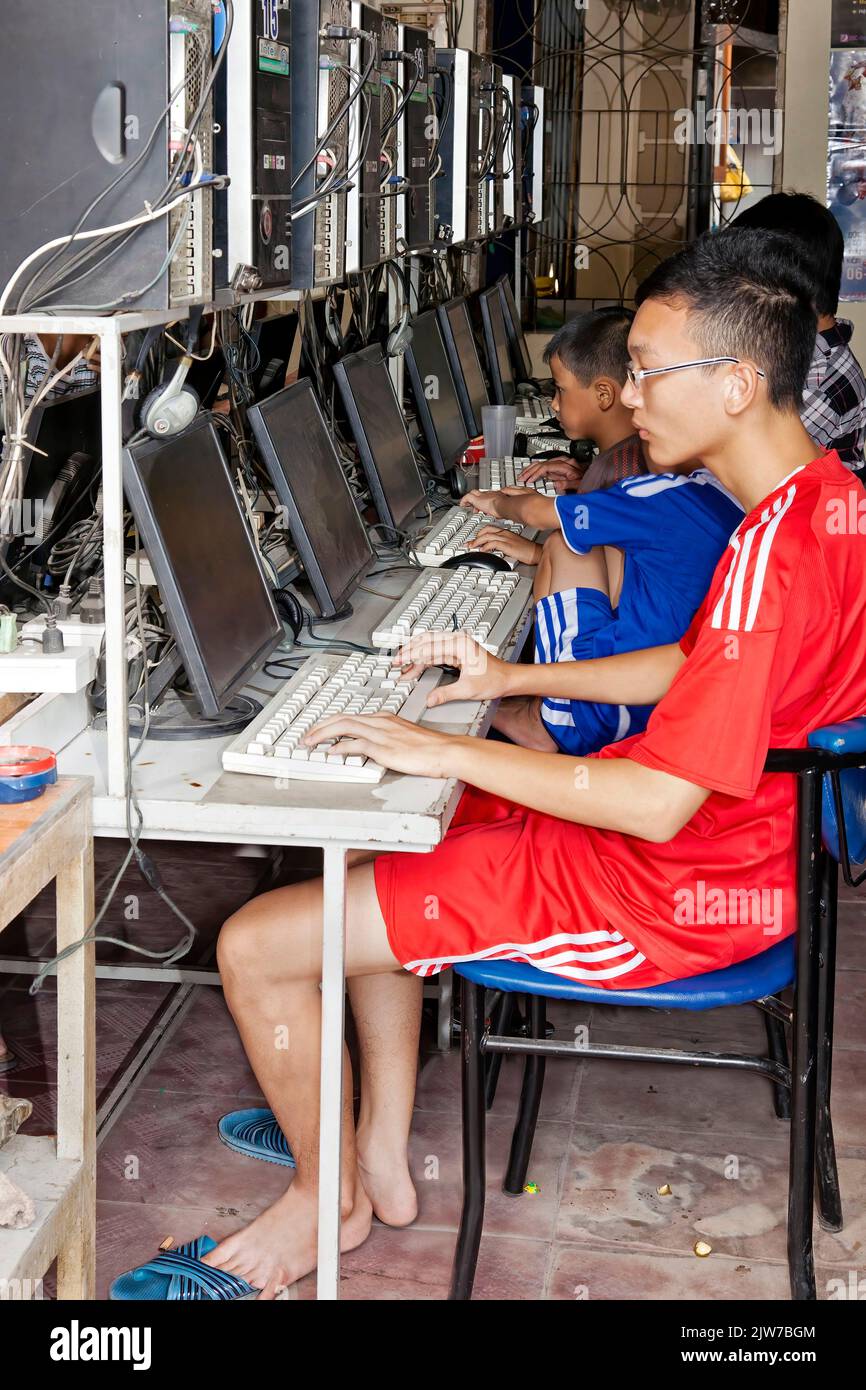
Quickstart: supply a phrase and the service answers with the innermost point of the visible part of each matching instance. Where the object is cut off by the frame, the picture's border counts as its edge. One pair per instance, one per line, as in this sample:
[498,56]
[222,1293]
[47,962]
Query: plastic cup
[499,424]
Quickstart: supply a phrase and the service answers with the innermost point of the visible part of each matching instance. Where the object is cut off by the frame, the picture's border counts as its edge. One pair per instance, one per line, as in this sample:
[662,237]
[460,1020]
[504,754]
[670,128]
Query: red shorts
[505,884]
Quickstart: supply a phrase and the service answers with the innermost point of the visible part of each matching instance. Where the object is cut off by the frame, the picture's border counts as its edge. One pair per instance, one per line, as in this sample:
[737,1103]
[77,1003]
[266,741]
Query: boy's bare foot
[280,1246]
[388,1183]
[519,718]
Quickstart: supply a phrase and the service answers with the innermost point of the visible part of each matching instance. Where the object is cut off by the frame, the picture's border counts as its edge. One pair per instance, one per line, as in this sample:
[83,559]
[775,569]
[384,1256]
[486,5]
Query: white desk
[184,795]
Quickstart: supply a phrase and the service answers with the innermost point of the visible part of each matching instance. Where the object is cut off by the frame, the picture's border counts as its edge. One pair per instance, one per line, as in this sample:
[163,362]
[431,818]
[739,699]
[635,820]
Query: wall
[804,162]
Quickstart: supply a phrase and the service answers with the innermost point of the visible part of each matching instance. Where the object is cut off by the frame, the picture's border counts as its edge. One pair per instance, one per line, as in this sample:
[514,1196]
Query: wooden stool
[51,838]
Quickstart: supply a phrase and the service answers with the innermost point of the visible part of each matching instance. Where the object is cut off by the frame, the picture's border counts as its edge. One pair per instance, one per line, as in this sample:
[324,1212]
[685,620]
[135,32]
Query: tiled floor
[609,1134]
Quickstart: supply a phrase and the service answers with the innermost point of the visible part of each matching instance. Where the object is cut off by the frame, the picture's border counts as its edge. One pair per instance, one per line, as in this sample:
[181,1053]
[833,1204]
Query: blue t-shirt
[673,529]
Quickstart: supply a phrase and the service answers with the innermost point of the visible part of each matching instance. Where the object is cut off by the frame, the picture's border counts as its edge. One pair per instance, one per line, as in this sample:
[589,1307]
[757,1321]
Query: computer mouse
[458,482]
[476,560]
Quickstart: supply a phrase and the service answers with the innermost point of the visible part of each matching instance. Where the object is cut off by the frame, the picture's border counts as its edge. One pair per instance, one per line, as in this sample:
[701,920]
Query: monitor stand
[174,717]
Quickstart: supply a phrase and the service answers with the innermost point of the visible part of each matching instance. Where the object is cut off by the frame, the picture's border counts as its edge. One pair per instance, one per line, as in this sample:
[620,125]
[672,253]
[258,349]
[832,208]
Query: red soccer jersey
[777,649]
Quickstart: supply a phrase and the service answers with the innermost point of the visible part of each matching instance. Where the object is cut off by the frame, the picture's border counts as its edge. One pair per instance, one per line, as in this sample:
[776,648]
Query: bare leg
[559,568]
[387,1014]
[270,959]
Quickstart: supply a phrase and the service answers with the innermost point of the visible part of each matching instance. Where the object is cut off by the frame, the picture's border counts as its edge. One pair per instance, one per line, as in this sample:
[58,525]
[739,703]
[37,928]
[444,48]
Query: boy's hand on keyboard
[562,471]
[505,542]
[390,741]
[508,503]
[482,675]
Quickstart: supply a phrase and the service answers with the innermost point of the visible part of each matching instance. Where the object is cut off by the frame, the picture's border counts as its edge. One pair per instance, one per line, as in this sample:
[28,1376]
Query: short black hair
[748,295]
[815,228]
[594,344]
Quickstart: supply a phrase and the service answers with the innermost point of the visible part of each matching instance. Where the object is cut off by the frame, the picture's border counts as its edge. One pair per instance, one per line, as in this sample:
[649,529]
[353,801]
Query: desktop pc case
[460,201]
[494,107]
[253,143]
[82,85]
[364,211]
[320,89]
[390,94]
[512,178]
[415,203]
[537,127]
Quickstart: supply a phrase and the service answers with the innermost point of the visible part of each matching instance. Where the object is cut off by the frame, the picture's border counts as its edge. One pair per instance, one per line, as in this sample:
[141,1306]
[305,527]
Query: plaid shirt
[834,402]
[622,460]
[38,362]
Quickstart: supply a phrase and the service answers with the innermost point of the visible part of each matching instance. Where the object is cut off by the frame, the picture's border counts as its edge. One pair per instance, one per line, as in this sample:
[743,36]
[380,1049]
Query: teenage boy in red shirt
[605,868]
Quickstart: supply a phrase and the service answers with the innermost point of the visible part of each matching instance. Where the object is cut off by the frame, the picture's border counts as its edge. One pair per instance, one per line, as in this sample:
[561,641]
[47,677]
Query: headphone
[172,406]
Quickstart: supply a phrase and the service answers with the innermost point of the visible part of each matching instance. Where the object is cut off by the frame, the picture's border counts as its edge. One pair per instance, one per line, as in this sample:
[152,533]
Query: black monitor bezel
[441,465]
[211,701]
[374,353]
[328,601]
[471,421]
[514,328]
[485,298]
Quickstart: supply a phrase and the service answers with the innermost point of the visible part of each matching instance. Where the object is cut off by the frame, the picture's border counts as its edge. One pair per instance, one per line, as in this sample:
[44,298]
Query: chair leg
[777,1050]
[501,1023]
[474,1137]
[829,1198]
[530,1100]
[801,1170]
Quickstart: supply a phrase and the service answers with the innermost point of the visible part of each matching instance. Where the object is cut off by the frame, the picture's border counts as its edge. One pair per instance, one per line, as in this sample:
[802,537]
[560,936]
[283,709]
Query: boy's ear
[605,393]
[740,388]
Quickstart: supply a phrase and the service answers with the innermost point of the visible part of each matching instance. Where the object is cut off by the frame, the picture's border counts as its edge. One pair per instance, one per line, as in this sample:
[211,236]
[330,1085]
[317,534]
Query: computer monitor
[435,393]
[377,423]
[305,470]
[219,607]
[514,329]
[273,338]
[462,352]
[496,347]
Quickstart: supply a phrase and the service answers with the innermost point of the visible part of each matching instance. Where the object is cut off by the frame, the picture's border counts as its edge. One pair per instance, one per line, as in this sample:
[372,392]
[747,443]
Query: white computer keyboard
[459,526]
[271,746]
[488,603]
[534,407]
[496,473]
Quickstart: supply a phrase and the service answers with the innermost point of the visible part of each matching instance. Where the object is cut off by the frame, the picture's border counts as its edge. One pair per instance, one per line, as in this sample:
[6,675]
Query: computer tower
[460,202]
[537,128]
[321,94]
[83,87]
[414,138]
[364,194]
[493,141]
[390,89]
[253,103]
[512,174]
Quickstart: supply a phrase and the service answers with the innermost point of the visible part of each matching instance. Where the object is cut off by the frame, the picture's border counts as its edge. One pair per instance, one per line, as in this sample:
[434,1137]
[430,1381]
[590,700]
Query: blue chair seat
[766,974]
[849,737]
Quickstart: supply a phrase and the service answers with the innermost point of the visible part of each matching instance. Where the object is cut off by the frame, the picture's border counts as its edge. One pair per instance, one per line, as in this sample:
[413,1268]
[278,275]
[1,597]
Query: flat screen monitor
[219,607]
[273,338]
[309,481]
[514,329]
[462,352]
[496,347]
[435,393]
[377,423]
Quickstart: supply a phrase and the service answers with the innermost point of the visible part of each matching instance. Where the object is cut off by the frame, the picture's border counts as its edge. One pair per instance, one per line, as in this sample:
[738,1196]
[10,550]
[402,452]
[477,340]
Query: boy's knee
[238,950]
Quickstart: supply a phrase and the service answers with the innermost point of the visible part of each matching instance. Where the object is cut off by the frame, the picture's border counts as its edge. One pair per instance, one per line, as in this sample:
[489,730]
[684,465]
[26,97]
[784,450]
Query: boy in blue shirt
[626,568]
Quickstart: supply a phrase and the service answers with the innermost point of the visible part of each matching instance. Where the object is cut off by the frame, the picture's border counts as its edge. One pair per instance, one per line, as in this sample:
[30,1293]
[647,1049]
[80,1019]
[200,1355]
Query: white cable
[151,215]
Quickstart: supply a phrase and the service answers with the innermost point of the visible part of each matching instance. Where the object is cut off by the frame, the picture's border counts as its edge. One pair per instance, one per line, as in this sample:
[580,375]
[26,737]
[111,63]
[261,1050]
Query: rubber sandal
[8,1062]
[256,1134]
[179,1276]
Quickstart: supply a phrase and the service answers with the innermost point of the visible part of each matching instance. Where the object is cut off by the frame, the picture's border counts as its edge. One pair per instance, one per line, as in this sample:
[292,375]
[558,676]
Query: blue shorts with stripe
[576,625]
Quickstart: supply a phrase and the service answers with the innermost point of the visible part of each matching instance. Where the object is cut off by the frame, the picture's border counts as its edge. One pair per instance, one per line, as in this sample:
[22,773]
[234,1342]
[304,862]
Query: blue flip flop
[256,1134]
[179,1276]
